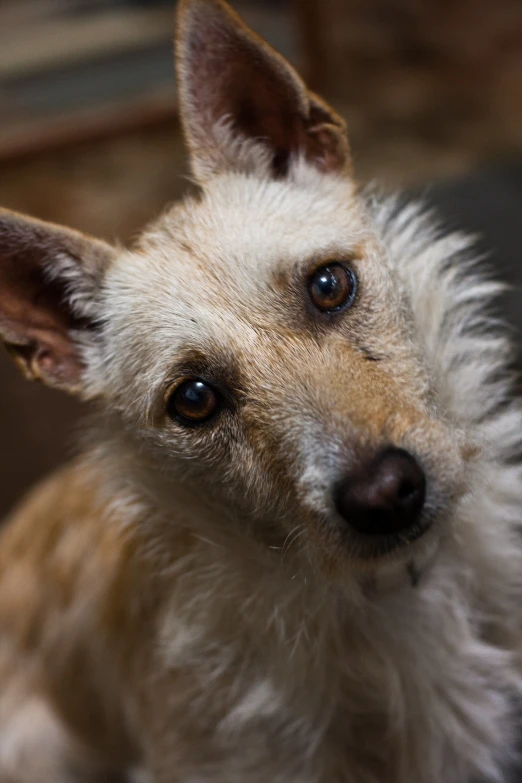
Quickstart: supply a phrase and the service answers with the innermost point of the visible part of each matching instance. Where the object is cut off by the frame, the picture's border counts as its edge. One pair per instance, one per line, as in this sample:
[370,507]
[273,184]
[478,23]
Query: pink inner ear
[37,321]
[227,73]
[49,356]
[29,298]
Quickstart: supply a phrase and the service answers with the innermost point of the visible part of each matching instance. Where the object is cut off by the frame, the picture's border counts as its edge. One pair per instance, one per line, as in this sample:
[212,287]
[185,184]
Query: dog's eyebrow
[292,275]
[211,364]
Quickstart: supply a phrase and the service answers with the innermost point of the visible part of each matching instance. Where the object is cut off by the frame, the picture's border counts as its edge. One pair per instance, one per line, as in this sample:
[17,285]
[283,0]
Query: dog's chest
[288,712]
[288,700]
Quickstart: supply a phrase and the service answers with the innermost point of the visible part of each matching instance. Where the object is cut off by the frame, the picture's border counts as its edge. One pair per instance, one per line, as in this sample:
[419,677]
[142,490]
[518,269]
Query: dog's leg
[34,745]
[35,748]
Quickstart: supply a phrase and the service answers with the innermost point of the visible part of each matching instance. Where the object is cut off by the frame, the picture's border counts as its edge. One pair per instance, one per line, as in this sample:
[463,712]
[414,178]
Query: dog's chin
[404,565]
[341,556]
[380,563]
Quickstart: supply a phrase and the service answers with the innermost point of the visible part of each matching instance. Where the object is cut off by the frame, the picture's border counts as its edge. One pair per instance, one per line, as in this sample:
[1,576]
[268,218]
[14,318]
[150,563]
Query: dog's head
[257,345]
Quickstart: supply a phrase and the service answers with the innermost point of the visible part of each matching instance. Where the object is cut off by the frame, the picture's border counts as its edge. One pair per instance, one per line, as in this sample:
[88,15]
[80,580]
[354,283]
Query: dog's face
[261,347]
[256,345]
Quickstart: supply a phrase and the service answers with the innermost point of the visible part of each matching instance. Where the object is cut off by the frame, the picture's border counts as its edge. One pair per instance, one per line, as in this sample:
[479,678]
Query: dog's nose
[386,496]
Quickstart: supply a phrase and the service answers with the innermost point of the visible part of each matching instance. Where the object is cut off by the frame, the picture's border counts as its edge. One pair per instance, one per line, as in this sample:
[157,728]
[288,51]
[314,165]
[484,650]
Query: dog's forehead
[240,221]
[211,267]
[242,231]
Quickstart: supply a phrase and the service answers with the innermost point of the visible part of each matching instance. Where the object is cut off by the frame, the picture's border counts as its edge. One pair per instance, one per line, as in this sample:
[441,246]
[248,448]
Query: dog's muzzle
[385,496]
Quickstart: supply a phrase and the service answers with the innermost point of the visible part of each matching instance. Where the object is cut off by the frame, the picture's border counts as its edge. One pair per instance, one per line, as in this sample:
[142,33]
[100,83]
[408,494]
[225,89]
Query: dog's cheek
[264,469]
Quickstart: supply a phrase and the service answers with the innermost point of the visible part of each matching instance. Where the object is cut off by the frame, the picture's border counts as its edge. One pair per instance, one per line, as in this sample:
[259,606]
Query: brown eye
[193,402]
[332,287]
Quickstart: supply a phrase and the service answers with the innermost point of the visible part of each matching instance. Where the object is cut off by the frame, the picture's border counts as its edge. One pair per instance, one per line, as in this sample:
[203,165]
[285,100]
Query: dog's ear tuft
[243,106]
[49,279]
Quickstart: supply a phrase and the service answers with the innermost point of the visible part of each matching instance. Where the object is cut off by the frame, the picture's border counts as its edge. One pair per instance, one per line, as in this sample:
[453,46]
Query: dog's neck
[166,509]
[366,654]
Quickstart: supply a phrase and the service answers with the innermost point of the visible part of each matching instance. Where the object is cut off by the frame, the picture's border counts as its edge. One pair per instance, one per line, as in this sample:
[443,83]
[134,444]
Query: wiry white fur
[266,667]
[301,681]
[275,651]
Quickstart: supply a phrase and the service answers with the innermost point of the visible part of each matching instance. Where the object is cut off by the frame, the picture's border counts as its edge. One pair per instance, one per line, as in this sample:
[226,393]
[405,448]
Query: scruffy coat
[183,601]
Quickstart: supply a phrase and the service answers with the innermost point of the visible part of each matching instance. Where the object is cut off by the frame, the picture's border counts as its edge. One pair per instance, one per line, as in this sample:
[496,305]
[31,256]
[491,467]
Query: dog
[289,550]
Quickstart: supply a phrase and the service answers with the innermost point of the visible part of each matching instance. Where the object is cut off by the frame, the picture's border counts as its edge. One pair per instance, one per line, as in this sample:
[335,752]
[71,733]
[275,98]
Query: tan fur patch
[194,599]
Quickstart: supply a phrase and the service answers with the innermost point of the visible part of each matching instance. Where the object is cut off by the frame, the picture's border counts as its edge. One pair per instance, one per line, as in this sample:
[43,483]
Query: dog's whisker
[280,363]
[291,539]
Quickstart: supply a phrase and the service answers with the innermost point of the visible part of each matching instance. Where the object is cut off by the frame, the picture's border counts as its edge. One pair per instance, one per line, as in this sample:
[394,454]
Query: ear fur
[49,277]
[243,106]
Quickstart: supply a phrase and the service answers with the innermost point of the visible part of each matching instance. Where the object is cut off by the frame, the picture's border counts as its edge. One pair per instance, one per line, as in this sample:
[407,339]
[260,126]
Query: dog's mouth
[379,561]
[388,508]
[384,498]
[380,543]
[339,541]
[384,537]
[392,512]
[376,562]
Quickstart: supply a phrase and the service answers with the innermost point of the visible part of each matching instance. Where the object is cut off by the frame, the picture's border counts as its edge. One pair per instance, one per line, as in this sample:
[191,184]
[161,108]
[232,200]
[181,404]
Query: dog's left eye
[332,287]
[192,402]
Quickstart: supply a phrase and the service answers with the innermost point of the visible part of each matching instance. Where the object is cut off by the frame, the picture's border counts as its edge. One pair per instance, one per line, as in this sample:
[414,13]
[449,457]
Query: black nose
[386,496]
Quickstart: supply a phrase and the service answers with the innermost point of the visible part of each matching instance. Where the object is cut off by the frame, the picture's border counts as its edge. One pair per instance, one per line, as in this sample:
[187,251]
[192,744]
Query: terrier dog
[290,550]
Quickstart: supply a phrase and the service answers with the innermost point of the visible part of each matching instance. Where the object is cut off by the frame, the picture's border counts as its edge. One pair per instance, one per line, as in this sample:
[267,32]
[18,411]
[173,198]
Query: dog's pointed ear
[243,106]
[49,281]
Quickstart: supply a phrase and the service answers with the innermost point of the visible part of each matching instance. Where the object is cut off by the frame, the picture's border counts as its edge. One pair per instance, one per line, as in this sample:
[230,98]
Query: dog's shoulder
[66,563]
[87,555]
[60,522]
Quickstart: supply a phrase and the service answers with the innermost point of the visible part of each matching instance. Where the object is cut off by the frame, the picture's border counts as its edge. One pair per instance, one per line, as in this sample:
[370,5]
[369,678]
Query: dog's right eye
[192,402]
[332,287]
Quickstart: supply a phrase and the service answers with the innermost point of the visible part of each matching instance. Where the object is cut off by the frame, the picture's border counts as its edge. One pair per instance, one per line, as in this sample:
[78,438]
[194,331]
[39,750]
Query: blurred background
[89,136]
